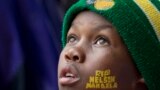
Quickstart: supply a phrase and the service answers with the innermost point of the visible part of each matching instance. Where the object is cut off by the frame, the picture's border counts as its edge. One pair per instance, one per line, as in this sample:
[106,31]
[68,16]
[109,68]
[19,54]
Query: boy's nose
[75,54]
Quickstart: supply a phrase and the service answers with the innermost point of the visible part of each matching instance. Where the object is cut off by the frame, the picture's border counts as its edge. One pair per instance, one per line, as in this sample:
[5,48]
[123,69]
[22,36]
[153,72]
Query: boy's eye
[101,41]
[71,39]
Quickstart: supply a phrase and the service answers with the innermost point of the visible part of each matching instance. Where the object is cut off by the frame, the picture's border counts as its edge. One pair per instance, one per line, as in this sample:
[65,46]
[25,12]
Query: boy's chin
[71,88]
[75,86]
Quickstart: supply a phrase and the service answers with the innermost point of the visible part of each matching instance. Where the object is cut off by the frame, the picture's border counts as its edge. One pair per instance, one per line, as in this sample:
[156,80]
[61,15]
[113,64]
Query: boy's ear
[140,85]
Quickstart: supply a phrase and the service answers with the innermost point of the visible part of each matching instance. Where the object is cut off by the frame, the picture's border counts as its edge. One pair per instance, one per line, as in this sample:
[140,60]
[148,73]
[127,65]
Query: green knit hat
[138,23]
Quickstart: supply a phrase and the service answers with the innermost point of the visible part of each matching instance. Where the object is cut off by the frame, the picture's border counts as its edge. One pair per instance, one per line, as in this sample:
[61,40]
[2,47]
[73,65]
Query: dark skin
[94,44]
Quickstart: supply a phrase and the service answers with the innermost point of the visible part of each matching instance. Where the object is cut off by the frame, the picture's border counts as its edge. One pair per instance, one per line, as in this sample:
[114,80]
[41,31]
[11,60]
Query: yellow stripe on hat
[103,4]
[152,14]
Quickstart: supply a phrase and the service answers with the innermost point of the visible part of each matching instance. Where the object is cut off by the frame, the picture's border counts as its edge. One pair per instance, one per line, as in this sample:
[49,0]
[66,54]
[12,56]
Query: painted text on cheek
[103,80]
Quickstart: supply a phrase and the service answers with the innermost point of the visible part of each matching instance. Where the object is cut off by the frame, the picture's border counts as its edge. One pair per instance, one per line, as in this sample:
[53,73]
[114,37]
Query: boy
[111,45]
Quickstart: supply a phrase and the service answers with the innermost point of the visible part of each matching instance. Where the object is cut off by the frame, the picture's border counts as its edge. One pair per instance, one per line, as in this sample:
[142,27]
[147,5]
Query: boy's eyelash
[70,36]
[101,36]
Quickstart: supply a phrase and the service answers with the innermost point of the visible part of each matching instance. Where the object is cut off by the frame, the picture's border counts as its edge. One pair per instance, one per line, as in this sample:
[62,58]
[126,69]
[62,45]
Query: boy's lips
[68,75]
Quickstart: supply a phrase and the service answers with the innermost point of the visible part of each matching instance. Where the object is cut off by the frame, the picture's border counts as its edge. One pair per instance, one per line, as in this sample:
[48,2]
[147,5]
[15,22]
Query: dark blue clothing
[29,44]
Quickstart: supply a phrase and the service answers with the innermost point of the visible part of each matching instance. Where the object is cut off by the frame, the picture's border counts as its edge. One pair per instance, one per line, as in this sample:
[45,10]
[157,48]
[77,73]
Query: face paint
[102,80]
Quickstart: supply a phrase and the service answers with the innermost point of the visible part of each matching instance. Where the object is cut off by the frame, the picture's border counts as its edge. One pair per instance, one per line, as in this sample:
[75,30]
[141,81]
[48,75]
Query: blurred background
[30,43]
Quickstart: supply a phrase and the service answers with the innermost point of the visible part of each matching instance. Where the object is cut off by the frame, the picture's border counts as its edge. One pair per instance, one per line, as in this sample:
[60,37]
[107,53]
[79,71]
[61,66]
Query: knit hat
[138,23]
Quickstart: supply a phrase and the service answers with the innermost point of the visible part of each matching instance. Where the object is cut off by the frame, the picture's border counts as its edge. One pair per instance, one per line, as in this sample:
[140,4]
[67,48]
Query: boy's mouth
[68,75]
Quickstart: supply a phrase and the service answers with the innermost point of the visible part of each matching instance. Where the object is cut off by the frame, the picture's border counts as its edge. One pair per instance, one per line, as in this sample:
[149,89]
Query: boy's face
[95,57]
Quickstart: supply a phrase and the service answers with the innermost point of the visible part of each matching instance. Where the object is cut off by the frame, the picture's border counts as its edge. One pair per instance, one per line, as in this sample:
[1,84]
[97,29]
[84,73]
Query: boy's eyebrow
[99,27]
[103,26]
[74,23]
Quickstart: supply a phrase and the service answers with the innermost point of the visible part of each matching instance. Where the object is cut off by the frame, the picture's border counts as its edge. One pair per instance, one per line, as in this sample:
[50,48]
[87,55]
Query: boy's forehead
[89,13]
[88,16]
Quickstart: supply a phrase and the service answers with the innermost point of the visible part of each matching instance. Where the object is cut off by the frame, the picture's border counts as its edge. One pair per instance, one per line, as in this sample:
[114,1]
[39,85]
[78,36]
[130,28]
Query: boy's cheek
[102,79]
[61,56]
